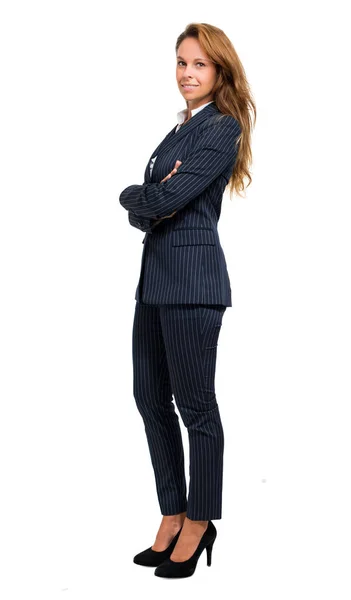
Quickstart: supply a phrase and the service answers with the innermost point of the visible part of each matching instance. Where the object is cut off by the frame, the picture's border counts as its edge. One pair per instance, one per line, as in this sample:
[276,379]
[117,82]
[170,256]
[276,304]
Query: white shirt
[181,116]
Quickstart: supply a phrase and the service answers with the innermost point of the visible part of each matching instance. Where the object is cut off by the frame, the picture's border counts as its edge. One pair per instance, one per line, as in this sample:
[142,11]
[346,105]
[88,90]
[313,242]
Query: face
[194,67]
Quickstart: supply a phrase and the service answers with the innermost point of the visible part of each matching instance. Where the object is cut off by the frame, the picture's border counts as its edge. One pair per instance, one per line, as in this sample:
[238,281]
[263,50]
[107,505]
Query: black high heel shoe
[153,558]
[170,568]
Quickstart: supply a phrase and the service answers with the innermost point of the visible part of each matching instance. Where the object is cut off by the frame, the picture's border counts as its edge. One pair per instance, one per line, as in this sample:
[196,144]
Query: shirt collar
[182,114]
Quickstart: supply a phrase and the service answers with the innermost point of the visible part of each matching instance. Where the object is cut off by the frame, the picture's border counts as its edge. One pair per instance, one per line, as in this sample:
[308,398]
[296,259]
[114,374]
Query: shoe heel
[209,553]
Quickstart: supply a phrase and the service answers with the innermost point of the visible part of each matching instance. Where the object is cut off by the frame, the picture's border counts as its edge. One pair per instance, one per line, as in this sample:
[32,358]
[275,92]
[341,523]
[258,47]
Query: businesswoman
[184,289]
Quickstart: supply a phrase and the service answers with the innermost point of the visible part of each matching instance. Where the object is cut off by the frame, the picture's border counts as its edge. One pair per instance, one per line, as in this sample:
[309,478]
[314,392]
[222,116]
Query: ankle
[195,522]
[195,525]
[174,520]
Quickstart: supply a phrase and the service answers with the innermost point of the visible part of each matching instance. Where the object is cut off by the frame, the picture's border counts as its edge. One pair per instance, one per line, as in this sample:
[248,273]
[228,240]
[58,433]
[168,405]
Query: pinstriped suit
[182,294]
[183,261]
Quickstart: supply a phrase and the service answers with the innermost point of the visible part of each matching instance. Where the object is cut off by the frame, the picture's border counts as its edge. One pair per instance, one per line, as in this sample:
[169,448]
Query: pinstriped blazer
[183,261]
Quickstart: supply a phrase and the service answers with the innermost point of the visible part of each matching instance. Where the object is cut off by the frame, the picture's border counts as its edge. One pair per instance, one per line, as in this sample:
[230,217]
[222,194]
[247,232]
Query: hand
[174,170]
[177,164]
[161,218]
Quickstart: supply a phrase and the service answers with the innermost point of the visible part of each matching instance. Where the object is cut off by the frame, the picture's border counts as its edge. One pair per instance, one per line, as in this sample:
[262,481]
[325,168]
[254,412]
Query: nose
[188,72]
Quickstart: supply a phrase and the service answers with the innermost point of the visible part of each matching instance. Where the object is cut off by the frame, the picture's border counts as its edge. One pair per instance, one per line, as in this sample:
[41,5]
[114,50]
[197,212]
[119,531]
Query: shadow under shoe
[153,558]
[170,568]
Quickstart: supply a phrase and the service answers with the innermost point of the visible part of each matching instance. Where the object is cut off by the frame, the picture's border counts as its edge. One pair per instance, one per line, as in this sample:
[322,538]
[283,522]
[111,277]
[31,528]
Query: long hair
[232,94]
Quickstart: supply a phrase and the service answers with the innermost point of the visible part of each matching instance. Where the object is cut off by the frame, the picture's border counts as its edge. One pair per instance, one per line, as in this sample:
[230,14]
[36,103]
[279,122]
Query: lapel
[173,138]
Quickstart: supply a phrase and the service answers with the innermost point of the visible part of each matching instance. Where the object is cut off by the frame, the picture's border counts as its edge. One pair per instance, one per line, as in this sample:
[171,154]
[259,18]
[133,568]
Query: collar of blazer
[173,138]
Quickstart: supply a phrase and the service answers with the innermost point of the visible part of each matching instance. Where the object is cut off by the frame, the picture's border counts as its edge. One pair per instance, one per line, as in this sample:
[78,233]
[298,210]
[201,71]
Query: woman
[184,289]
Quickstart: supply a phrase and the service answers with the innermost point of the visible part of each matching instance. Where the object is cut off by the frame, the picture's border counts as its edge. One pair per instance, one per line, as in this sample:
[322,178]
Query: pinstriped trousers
[174,350]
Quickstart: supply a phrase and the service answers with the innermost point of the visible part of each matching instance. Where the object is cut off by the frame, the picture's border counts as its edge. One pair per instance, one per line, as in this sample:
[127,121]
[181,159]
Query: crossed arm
[148,224]
[143,224]
[212,152]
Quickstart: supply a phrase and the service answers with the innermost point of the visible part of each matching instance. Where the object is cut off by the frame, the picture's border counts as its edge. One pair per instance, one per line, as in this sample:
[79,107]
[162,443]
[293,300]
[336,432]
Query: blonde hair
[232,94]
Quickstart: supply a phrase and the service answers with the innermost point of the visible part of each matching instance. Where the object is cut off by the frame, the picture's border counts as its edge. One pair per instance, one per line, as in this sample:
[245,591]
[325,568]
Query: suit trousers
[174,350]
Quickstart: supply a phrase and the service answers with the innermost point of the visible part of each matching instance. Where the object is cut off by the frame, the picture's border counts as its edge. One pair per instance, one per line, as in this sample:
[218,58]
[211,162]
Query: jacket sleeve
[140,222]
[213,151]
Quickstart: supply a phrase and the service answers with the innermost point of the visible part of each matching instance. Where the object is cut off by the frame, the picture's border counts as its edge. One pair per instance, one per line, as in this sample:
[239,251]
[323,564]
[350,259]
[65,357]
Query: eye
[198,63]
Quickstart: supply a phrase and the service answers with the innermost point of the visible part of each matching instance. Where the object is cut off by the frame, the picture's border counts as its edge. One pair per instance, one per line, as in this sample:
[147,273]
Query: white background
[78,497]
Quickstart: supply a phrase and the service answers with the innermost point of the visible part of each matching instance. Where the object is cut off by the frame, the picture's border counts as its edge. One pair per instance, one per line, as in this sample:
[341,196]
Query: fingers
[173,172]
[169,175]
[177,164]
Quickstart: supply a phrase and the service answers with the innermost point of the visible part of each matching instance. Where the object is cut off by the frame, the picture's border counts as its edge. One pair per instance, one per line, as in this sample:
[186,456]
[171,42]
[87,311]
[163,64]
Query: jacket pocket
[193,237]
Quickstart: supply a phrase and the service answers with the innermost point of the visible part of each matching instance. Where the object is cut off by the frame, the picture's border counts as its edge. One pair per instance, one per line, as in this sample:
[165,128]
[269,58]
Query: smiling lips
[189,86]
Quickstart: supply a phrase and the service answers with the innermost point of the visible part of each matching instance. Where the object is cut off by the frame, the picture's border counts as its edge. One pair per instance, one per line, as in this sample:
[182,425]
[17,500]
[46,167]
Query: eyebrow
[194,58]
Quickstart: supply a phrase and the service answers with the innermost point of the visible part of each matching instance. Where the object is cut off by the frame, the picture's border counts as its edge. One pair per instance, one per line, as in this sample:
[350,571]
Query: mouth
[189,87]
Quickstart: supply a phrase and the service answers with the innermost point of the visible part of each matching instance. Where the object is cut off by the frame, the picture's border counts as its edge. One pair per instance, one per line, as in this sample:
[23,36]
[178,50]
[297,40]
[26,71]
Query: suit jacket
[183,261]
